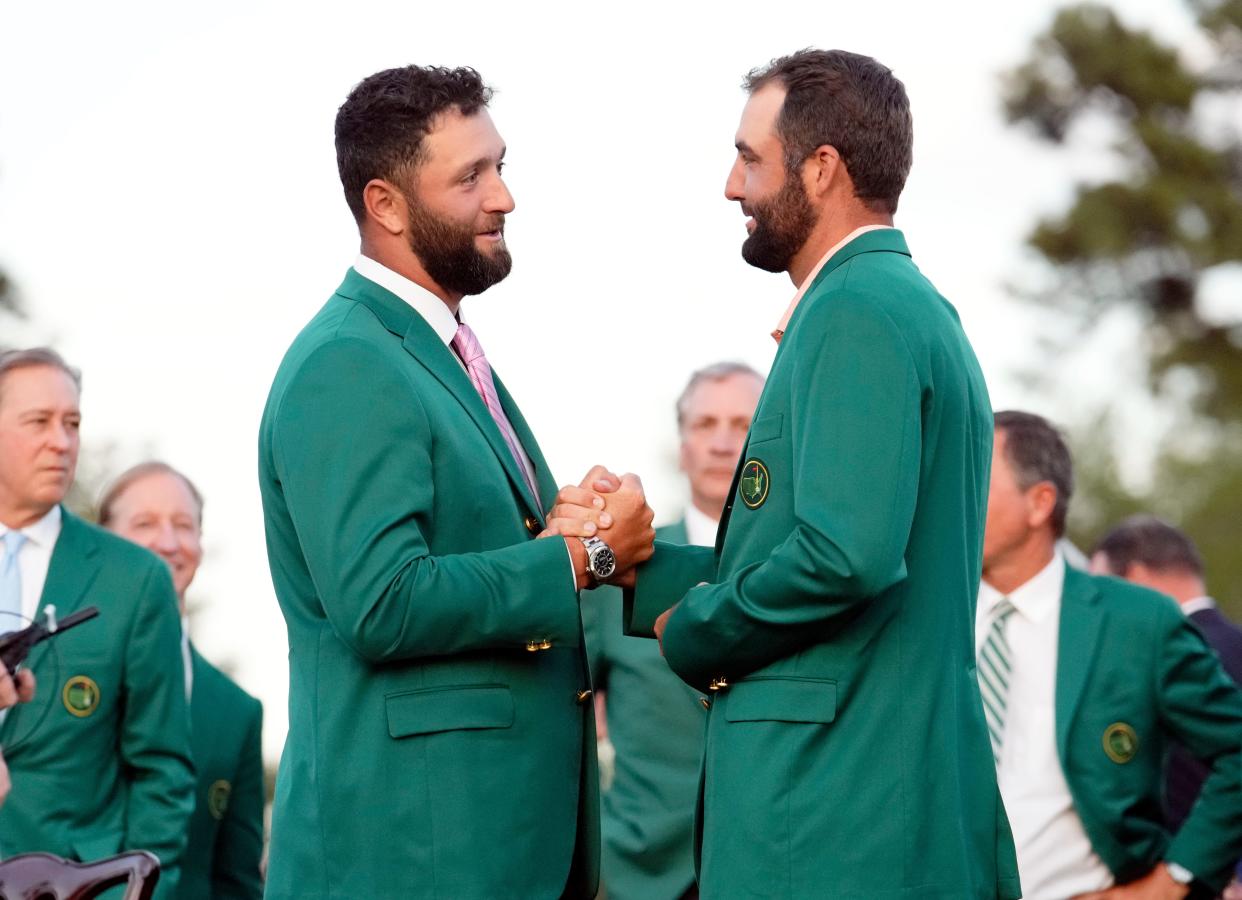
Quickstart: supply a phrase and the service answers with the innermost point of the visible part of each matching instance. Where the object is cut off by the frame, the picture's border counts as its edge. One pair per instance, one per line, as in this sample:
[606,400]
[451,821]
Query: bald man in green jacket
[846,753]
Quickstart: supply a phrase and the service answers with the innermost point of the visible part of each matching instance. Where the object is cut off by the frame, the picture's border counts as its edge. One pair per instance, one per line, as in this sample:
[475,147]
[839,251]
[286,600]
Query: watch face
[603,562]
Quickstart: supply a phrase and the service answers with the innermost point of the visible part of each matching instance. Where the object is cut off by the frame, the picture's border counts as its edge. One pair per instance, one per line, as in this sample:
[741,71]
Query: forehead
[733,394]
[456,140]
[157,489]
[38,387]
[760,113]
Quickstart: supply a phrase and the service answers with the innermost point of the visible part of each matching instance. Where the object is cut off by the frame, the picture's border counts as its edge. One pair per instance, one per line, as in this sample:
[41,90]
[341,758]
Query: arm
[662,581]
[856,431]
[1202,708]
[155,731]
[239,842]
[353,451]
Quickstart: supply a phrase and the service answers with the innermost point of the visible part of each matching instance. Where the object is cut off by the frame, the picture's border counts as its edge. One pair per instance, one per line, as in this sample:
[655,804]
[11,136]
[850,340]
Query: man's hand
[5,784]
[579,509]
[630,535]
[1157,884]
[16,690]
[661,623]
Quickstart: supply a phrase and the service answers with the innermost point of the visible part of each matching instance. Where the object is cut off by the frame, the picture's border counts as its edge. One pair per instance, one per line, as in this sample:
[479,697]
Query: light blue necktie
[11,583]
[995,670]
[10,589]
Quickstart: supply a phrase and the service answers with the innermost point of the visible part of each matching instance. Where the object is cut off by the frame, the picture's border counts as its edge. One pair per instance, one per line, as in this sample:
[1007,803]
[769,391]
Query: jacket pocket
[766,429]
[454,708]
[808,700]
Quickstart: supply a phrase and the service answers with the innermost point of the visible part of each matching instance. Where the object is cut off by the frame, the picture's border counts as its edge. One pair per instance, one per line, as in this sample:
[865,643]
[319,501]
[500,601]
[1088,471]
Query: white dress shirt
[34,558]
[1055,856]
[700,527]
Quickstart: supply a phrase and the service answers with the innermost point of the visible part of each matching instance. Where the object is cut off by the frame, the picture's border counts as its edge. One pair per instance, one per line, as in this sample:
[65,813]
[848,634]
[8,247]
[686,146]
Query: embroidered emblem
[1120,742]
[754,483]
[218,798]
[80,696]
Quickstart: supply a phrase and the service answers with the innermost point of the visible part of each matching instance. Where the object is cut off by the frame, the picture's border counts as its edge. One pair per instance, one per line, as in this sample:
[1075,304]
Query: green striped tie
[994,674]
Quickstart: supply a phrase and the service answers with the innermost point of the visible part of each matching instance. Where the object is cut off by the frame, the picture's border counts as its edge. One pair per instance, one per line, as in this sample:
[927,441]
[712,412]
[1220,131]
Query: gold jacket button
[582,697]
[718,683]
[707,704]
[532,646]
[532,524]
[545,644]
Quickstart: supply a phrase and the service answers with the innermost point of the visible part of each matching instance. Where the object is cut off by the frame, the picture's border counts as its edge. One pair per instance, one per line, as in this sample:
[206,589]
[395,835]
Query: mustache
[496,223]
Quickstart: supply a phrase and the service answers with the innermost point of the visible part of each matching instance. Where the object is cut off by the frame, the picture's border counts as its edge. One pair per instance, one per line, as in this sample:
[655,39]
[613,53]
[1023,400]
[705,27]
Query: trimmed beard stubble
[783,223]
[448,254]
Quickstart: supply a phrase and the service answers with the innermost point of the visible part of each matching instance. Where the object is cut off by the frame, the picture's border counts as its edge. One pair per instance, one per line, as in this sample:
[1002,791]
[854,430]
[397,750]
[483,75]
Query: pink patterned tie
[471,353]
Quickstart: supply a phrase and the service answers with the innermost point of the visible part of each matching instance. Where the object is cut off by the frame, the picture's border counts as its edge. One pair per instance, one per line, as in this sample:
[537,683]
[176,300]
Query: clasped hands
[611,507]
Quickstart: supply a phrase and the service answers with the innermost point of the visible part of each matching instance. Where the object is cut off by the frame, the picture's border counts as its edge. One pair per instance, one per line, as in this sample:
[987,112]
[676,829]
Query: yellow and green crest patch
[218,798]
[80,696]
[1120,742]
[754,484]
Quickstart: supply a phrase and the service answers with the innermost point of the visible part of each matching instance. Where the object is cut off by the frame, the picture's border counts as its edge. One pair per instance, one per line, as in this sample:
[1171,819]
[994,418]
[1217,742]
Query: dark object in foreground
[42,875]
[16,645]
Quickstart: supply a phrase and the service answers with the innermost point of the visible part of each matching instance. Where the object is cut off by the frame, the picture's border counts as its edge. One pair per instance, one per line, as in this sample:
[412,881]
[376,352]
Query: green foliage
[1141,241]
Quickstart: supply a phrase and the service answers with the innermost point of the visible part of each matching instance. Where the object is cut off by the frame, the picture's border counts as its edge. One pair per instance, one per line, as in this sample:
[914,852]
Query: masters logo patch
[754,483]
[80,696]
[218,798]
[1120,742]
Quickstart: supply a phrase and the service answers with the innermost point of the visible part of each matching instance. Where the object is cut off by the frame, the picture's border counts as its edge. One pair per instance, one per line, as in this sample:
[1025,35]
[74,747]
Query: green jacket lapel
[420,341]
[1082,624]
[543,475]
[71,571]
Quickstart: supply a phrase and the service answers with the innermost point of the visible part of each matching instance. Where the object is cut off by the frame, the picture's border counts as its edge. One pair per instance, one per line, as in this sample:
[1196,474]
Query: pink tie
[471,353]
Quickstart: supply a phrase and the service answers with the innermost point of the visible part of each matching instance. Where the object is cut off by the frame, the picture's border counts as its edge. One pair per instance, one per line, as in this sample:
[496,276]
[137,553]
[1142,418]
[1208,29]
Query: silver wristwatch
[601,561]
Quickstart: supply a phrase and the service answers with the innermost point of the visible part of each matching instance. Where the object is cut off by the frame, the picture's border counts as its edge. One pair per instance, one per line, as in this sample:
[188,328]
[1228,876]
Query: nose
[165,540]
[499,200]
[61,438]
[735,182]
[724,441]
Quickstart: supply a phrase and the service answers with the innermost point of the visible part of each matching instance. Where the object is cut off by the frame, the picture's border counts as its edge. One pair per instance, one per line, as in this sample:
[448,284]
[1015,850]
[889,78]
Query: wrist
[578,556]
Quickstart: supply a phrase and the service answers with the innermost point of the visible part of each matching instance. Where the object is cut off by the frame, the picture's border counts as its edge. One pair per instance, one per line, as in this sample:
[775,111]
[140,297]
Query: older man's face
[39,422]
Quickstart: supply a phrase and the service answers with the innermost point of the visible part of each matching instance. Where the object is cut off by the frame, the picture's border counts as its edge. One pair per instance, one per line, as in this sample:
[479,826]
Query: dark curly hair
[381,125]
[852,103]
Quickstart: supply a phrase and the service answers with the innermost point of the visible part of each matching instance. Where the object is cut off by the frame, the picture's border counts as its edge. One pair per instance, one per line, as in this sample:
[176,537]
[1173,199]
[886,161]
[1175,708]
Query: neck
[709,507]
[833,227]
[16,517]
[404,262]
[1016,568]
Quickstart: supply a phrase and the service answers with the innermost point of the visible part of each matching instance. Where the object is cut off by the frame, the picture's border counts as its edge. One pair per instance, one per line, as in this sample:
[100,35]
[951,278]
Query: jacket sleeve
[155,731]
[1202,708]
[856,427]
[353,448]
[239,842]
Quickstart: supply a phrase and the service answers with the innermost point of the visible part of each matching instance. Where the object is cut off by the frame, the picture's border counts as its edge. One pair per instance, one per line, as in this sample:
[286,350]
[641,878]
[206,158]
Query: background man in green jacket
[846,753]
[654,719]
[1086,682]
[157,507]
[441,738]
[100,758]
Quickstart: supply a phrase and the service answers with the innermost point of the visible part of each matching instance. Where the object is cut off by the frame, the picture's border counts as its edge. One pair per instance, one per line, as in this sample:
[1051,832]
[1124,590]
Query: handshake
[612,509]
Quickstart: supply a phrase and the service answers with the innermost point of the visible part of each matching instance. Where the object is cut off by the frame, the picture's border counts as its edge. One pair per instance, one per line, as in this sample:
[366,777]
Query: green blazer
[441,735]
[100,759]
[848,755]
[1134,675]
[655,722]
[226,830]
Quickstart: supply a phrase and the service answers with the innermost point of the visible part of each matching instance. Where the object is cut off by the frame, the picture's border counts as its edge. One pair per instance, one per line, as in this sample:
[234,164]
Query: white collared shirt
[34,558]
[1197,604]
[1055,856]
[434,311]
[810,278]
[700,527]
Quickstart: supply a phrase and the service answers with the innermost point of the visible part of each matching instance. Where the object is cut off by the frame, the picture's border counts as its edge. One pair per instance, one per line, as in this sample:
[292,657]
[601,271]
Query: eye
[500,167]
[471,178]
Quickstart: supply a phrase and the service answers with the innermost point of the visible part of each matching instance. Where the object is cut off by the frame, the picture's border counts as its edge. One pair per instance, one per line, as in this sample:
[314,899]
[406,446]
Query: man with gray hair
[1086,683]
[100,758]
[654,720]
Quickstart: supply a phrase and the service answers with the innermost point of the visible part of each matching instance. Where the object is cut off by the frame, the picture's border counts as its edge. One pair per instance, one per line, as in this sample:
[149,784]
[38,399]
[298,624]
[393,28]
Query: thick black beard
[449,256]
[782,225]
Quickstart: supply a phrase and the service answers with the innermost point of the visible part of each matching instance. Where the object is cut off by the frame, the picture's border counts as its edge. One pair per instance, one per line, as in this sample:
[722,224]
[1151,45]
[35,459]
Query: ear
[1041,499]
[823,171]
[386,206]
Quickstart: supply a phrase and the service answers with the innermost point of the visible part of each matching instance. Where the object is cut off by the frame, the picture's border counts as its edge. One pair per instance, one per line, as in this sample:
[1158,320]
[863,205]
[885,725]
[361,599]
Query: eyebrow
[744,147]
[485,160]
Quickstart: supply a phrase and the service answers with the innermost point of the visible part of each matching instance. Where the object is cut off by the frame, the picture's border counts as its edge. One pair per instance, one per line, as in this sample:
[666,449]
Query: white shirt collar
[425,303]
[1037,598]
[700,527]
[43,532]
[1198,604]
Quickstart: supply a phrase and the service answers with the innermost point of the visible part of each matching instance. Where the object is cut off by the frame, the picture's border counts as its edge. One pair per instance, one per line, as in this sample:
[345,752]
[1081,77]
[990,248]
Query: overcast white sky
[170,210]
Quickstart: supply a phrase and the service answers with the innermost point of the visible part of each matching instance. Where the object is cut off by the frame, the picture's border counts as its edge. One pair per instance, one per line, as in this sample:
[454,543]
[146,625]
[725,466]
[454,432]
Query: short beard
[783,223]
[448,254]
